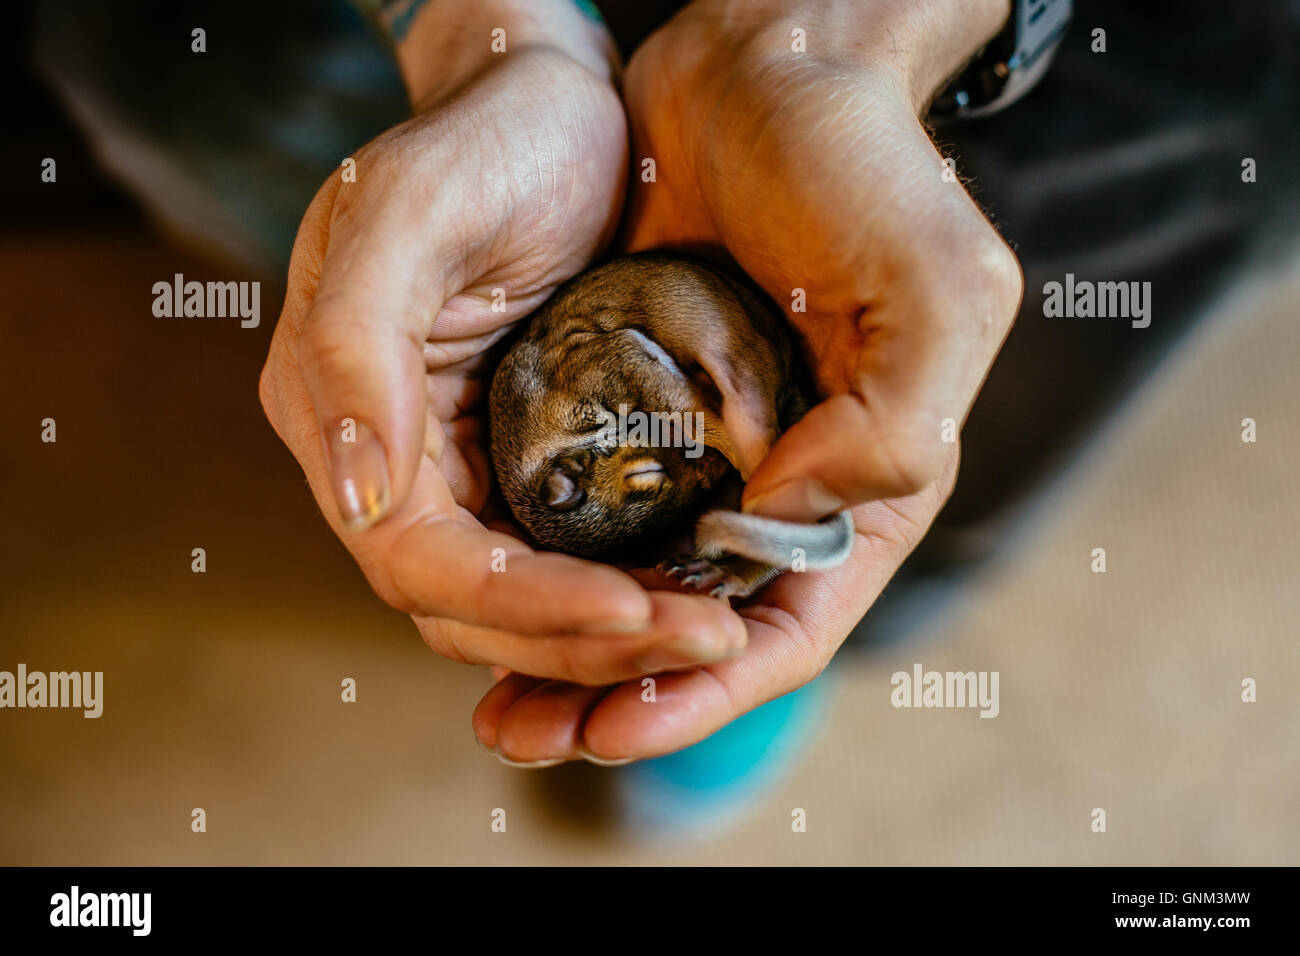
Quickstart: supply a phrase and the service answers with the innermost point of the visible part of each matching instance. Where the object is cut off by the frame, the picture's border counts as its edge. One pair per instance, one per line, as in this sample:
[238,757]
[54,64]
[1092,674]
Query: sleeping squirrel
[631,403]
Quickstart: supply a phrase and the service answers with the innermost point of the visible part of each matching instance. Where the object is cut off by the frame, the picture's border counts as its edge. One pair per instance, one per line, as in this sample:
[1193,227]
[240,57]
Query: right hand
[812,170]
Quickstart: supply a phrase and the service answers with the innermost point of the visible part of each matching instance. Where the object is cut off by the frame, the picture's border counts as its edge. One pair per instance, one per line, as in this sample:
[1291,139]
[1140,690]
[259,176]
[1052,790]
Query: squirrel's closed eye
[589,416]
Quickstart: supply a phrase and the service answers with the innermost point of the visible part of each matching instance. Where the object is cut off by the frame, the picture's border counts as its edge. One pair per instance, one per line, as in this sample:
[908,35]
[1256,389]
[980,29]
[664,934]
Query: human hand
[814,173]
[508,180]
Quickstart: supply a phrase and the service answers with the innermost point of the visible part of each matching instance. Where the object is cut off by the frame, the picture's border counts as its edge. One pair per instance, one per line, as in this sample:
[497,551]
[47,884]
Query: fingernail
[359,474]
[590,757]
[530,764]
[689,652]
[800,499]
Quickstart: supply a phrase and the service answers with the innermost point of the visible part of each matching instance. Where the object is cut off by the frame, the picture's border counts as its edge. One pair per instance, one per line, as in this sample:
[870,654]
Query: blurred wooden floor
[1119,690]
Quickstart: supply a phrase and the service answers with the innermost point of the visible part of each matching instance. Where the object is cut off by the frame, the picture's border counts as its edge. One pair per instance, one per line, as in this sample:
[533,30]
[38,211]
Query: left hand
[507,181]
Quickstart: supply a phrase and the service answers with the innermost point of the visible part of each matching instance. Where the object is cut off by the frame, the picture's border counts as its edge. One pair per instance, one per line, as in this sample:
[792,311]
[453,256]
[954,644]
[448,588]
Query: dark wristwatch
[1009,65]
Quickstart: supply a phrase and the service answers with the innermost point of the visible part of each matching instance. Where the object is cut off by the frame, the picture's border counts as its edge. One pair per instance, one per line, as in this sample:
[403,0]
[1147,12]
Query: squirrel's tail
[779,543]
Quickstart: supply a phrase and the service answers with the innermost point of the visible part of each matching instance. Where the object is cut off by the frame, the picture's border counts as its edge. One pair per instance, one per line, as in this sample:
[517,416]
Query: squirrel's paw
[724,578]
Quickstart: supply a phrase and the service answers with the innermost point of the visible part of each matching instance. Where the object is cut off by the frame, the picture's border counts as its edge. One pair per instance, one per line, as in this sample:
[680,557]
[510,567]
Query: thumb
[841,454]
[890,427]
[362,362]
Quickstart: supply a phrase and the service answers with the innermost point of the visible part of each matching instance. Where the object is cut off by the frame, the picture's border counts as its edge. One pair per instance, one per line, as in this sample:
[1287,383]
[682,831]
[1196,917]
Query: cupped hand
[459,223]
[812,171]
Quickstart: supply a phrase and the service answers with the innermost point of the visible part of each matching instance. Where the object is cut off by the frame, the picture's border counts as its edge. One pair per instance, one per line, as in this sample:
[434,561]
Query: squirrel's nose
[562,487]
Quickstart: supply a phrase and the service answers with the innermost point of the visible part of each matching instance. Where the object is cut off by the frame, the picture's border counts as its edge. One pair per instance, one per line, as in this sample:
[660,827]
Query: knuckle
[948,477]
[329,345]
[438,634]
[268,391]
[1002,280]
[389,590]
[812,668]
[977,301]
[432,633]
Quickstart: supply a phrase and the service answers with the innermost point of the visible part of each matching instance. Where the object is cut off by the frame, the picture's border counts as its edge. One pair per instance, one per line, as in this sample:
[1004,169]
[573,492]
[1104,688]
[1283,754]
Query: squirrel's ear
[725,343]
[716,437]
[711,400]
[741,420]
[695,373]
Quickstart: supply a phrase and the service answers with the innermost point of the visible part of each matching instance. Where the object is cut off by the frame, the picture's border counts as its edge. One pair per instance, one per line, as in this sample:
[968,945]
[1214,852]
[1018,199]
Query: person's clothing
[1122,166]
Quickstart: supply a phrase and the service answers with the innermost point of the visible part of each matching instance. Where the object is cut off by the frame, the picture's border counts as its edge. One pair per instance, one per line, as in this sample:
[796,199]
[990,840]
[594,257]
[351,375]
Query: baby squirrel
[655,334]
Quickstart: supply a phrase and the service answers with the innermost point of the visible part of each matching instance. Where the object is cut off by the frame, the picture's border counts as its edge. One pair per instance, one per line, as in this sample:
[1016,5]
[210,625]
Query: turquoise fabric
[715,781]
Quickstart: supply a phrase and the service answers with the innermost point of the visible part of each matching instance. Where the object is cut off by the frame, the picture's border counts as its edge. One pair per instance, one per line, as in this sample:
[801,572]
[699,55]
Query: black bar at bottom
[207,905]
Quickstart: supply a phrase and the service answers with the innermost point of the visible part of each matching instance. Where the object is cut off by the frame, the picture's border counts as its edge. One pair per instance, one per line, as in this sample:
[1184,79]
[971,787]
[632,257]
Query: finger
[635,719]
[542,725]
[685,630]
[490,710]
[451,567]
[362,362]
[908,389]
[384,277]
[783,654]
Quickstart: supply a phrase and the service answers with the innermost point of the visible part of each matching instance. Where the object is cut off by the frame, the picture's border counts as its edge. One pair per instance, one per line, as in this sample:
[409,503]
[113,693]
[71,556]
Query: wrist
[442,44]
[916,45]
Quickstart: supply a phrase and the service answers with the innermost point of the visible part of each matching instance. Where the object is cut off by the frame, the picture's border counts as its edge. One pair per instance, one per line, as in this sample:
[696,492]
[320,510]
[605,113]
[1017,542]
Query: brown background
[222,689]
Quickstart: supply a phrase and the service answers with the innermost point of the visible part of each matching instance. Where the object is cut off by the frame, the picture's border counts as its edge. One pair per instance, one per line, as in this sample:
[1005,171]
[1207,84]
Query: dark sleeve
[630,23]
